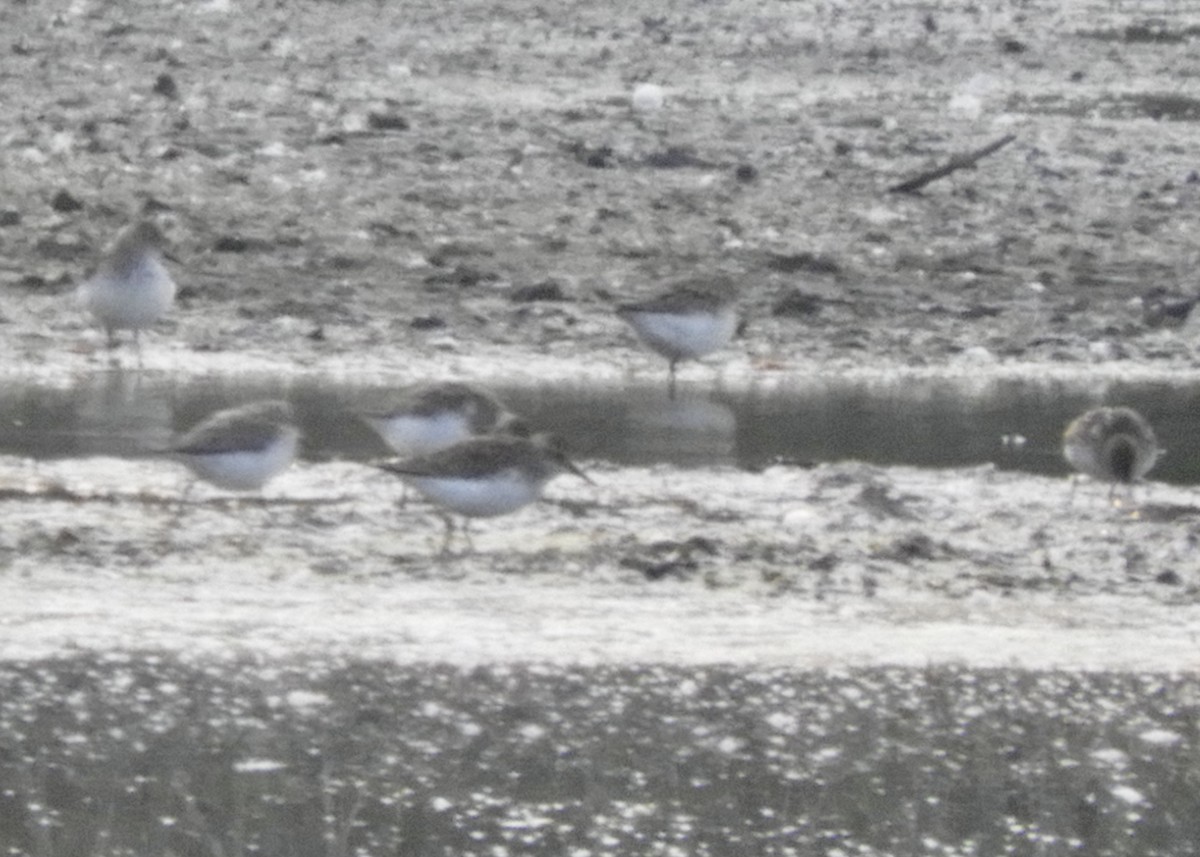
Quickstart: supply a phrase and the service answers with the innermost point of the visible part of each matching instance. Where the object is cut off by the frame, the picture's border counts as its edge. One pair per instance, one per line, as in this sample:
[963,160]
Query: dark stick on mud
[957,162]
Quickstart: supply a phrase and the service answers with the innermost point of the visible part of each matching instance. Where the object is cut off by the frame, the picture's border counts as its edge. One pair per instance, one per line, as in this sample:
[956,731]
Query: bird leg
[448,539]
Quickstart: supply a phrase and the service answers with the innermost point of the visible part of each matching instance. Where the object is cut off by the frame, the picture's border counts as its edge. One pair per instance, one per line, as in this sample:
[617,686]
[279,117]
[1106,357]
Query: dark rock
[675,157]
[745,173]
[671,558]
[32,282]
[792,263]
[547,290]
[427,322]
[463,276]
[165,86]
[386,122]
[1161,308]
[64,202]
[10,217]
[595,157]
[600,159]
[1153,33]
[231,244]
[796,304]
[342,262]
[913,546]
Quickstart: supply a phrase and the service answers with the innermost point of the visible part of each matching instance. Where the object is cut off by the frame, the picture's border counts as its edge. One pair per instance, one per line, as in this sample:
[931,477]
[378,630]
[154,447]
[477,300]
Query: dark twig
[957,162]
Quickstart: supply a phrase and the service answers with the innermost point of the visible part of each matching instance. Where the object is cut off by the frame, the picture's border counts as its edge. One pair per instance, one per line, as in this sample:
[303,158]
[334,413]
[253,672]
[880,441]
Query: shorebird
[130,288]
[435,416]
[1114,445]
[686,322]
[484,476]
[240,448]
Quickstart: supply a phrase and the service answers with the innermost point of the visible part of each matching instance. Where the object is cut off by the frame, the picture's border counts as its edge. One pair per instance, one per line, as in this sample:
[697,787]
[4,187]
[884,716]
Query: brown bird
[485,476]
[1114,445]
[130,288]
[434,416]
[240,448]
[685,322]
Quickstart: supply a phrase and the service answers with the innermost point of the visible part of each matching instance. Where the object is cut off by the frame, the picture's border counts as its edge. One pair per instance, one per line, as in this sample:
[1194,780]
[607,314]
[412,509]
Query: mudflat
[416,191]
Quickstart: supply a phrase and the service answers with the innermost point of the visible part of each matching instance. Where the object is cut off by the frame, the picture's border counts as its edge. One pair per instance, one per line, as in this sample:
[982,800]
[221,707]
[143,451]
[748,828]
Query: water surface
[930,423]
[141,753]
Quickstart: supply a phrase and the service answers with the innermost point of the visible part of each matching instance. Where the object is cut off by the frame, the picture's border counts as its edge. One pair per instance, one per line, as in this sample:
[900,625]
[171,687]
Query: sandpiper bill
[1114,445]
[485,476]
[130,288]
[242,448]
[686,322]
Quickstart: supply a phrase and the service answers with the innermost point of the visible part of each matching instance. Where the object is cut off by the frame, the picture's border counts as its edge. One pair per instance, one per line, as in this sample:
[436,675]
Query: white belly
[244,471]
[685,337]
[500,494]
[132,302]
[421,435]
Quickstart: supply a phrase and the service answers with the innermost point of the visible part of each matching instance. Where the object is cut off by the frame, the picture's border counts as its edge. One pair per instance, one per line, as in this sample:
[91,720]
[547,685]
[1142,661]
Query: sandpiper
[435,416]
[686,322]
[130,288]
[1113,445]
[240,448]
[485,476]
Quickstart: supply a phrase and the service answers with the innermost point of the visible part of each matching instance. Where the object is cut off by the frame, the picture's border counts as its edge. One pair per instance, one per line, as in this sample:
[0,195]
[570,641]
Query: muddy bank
[392,195]
[839,564]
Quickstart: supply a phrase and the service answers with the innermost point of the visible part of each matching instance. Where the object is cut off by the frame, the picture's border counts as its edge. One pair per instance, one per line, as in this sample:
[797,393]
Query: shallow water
[930,422]
[150,754]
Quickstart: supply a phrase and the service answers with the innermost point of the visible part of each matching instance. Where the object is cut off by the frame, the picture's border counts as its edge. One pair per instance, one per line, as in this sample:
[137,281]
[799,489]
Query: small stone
[791,263]
[674,158]
[64,202]
[386,122]
[427,322]
[231,244]
[547,290]
[463,276]
[165,86]
[648,97]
